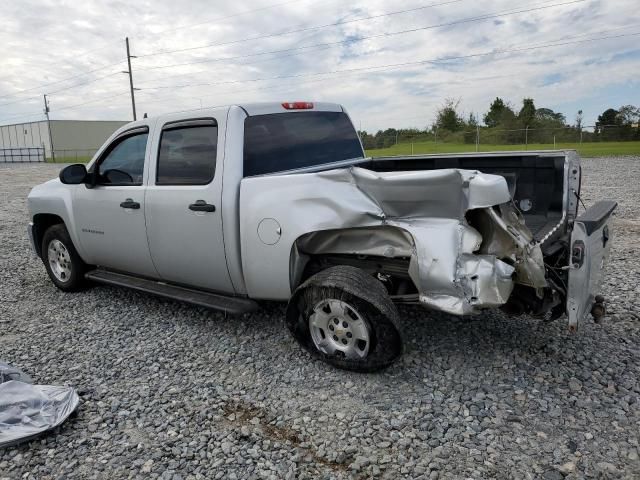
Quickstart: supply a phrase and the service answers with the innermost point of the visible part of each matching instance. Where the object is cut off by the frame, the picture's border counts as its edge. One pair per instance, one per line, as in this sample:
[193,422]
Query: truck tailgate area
[536,179]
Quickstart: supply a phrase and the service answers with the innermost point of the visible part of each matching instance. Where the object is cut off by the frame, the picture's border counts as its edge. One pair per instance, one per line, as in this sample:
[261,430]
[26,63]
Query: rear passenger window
[187,154]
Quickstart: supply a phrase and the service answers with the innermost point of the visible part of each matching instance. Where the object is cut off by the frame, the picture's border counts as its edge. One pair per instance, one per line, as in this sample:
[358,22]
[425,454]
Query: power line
[22,115]
[71,107]
[288,87]
[22,100]
[95,100]
[217,19]
[359,70]
[93,80]
[62,89]
[394,65]
[299,30]
[278,51]
[152,34]
[566,37]
[41,86]
[75,56]
[379,35]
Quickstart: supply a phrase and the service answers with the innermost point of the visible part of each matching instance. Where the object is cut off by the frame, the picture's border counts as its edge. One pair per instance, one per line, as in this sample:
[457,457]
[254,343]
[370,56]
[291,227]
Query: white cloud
[45,41]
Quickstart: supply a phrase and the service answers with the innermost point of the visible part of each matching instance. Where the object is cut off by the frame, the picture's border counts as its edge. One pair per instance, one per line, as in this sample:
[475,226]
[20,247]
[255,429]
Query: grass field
[595,149]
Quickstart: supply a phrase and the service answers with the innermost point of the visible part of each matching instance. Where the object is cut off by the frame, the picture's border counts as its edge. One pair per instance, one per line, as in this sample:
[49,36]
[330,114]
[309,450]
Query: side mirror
[73,174]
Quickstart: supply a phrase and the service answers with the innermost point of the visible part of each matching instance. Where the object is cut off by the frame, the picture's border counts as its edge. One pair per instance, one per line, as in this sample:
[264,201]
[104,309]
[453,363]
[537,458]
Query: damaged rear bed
[466,244]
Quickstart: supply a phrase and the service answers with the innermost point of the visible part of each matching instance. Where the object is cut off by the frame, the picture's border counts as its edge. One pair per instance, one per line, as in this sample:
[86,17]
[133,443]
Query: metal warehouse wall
[70,137]
[81,134]
[32,134]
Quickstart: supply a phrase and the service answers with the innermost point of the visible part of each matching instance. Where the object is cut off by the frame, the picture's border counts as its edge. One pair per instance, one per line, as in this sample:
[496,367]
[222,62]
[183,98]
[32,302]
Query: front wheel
[61,260]
[345,317]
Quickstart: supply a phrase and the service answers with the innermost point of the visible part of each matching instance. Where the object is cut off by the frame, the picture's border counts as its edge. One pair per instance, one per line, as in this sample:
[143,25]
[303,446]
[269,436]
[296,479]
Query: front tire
[345,317]
[61,260]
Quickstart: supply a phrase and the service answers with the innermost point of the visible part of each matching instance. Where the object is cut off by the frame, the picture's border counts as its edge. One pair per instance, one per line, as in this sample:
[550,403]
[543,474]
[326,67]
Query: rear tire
[61,260]
[345,317]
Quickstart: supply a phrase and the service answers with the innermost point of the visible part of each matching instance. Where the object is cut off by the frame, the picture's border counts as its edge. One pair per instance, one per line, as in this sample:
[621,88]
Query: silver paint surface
[418,214]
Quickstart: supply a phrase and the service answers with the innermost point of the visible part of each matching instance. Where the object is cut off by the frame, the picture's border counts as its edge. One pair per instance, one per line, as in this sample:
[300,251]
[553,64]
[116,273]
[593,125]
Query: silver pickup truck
[277,201]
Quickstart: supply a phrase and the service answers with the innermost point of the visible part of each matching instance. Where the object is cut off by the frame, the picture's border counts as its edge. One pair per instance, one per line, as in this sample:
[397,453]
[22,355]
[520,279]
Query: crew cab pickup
[277,201]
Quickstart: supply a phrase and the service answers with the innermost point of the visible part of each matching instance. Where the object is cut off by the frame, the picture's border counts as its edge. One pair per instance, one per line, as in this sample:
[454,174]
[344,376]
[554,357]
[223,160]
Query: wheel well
[383,252]
[393,273]
[41,223]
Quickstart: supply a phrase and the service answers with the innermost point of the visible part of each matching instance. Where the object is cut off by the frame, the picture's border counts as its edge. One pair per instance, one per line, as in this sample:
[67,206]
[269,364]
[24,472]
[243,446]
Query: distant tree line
[504,124]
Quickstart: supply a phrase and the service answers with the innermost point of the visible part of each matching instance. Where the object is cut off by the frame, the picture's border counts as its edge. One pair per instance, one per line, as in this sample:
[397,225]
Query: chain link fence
[22,155]
[484,139]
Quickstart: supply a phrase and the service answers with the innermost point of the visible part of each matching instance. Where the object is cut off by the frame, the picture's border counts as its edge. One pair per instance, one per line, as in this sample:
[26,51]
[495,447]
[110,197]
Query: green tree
[448,118]
[527,112]
[607,126]
[546,116]
[368,141]
[628,115]
[497,110]
[608,117]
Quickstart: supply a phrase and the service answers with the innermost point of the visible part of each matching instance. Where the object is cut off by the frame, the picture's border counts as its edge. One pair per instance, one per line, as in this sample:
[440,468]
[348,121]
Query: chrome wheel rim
[338,329]
[59,260]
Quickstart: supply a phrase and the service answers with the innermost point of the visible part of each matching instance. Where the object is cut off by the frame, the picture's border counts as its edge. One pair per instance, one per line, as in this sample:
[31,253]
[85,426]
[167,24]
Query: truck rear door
[183,203]
[590,244]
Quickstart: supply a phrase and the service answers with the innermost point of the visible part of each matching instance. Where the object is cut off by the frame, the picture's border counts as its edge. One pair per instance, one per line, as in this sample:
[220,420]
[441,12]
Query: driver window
[124,164]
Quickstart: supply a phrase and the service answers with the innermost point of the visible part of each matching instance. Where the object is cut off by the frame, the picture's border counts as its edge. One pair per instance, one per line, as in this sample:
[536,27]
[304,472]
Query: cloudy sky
[391,64]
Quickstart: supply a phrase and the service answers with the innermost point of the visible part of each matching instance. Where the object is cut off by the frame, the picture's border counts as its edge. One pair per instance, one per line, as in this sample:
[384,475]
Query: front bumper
[31,230]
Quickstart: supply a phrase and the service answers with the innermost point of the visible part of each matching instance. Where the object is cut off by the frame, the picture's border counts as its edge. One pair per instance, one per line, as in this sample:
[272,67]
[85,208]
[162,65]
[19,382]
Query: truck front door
[109,213]
[183,205]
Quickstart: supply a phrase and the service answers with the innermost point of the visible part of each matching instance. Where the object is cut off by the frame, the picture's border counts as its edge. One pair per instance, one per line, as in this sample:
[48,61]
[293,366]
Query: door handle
[128,203]
[202,206]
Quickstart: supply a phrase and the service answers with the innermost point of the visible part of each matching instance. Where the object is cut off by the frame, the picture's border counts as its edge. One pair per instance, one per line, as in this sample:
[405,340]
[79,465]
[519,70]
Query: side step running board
[196,297]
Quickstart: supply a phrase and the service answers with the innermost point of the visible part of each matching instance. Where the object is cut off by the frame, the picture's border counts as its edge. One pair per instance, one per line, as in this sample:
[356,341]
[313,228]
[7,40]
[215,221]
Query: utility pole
[46,112]
[130,72]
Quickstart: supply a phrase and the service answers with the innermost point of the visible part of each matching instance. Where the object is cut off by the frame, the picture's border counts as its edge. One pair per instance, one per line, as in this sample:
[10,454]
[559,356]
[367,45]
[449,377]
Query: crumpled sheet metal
[427,206]
[448,276]
[28,410]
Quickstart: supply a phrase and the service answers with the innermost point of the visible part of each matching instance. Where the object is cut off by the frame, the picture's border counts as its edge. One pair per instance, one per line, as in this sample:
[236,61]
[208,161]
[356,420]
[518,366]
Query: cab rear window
[287,141]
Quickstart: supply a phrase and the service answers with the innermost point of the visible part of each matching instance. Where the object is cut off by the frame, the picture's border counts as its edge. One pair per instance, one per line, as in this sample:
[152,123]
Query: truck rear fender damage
[486,268]
[387,218]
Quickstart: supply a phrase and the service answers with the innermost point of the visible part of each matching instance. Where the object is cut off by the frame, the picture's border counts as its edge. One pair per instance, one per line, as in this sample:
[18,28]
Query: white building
[71,140]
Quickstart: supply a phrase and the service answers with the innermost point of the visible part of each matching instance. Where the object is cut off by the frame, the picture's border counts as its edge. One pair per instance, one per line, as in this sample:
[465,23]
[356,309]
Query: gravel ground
[173,391]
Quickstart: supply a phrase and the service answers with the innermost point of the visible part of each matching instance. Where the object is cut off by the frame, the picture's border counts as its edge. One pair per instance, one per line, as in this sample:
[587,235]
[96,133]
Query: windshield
[286,141]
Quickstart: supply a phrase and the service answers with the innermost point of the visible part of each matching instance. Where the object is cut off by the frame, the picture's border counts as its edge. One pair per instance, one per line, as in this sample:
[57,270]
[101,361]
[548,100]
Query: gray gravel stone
[173,391]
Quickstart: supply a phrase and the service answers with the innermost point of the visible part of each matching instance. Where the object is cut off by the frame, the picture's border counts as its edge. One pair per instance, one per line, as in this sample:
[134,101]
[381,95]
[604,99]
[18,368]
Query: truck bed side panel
[276,210]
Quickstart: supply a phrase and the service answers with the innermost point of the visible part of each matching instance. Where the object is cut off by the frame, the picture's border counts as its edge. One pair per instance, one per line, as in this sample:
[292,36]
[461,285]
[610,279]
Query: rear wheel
[345,317]
[61,260]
